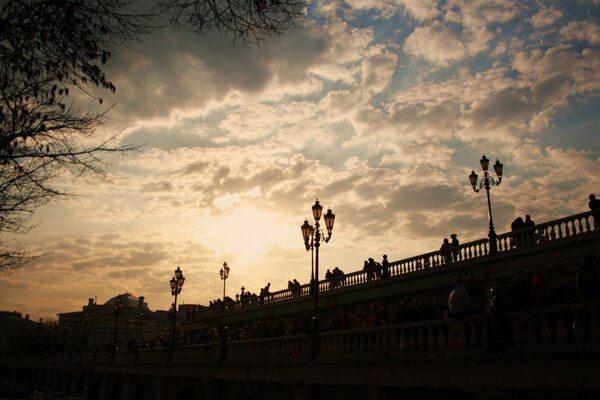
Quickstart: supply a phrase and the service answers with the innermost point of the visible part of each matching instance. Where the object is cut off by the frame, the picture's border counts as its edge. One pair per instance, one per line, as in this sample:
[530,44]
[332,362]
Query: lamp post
[176,283]
[118,306]
[312,240]
[487,182]
[140,320]
[224,275]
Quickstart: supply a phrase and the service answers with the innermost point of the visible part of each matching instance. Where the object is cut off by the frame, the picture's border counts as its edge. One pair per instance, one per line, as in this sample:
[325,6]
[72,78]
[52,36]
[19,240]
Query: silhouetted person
[375,268]
[328,278]
[440,308]
[517,229]
[520,292]
[529,227]
[367,270]
[587,281]
[296,290]
[424,311]
[500,323]
[594,205]
[459,301]
[337,276]
[445,250]
[385,267]
[454,243]
[405,313]
[539,290]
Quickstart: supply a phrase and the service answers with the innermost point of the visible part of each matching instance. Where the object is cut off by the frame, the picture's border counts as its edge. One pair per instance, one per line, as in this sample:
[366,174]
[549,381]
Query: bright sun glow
[248,232]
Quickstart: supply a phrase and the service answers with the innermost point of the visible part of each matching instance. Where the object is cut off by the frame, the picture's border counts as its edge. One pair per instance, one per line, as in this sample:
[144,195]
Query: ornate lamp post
[118,308]
[224,275]
[176,283]
[312,240]
[487,182]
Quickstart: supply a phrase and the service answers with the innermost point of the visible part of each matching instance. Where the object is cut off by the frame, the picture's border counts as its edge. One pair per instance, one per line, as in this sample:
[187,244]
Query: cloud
[581,31]
[440,46]
[545,17]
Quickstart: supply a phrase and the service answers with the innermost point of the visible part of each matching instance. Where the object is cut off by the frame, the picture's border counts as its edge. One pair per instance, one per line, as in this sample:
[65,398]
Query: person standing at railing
[385,267]
[539,290]
[460,302]
[454,246]
[594,205]
[445,251]
[517,231]
[529,227]
[520,292]
[587,281]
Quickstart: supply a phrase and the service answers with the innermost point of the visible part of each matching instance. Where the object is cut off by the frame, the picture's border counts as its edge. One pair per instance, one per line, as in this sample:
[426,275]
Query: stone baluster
[452,336]
[546,333]
[594,325]
[363,342]
[578,328]
[430,338]
[412,339]
[376,338]
[420,339]
[485,335]
[441,338]
[475,338]
[404,340]
[531,335]
[561,328]
[385,341]
[356,343]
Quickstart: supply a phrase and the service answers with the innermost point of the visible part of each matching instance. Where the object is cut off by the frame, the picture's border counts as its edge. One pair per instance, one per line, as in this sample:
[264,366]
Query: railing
[566,329]
[548,232]
[566,326]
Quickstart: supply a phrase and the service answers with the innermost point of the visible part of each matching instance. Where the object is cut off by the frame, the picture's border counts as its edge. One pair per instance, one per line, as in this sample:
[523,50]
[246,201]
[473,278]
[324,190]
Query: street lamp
[118,306]
[224,275]
[312,240]
[140,320]
[176,283]
[487,182]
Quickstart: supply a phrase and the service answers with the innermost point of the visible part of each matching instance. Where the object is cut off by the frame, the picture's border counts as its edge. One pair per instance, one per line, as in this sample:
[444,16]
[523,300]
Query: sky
[380,109]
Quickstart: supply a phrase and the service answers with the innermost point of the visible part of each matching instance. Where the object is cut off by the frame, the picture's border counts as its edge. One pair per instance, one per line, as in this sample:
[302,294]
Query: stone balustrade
[562,327]
[542,234]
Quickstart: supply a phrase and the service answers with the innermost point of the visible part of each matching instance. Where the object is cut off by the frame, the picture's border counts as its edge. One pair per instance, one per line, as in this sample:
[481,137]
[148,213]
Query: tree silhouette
[51,49]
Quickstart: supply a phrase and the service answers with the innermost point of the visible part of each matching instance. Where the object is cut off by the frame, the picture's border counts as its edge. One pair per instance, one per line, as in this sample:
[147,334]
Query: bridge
[539,352]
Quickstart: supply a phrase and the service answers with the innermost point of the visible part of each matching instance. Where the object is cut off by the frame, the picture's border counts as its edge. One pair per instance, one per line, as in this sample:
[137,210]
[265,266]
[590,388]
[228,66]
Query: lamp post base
[314,347]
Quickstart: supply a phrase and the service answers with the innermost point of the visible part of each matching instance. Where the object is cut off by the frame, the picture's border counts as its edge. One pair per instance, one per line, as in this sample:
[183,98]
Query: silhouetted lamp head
[179,277]
[173,283]
[498,169]
[485,163]
[473,179]
[224,271]
[307,230]
[317,210]
[329,219]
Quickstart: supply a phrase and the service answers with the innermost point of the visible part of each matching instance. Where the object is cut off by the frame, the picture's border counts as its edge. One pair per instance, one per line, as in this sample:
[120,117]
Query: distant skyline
[380,109]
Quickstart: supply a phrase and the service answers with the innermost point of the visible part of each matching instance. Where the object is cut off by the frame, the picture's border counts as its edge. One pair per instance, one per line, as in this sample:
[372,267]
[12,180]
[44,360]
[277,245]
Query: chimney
[90,302]
[26,317]
[141,303]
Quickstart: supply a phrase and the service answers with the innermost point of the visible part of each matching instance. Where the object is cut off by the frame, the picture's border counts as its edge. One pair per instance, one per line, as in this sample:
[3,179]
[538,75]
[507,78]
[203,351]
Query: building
[119,320]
